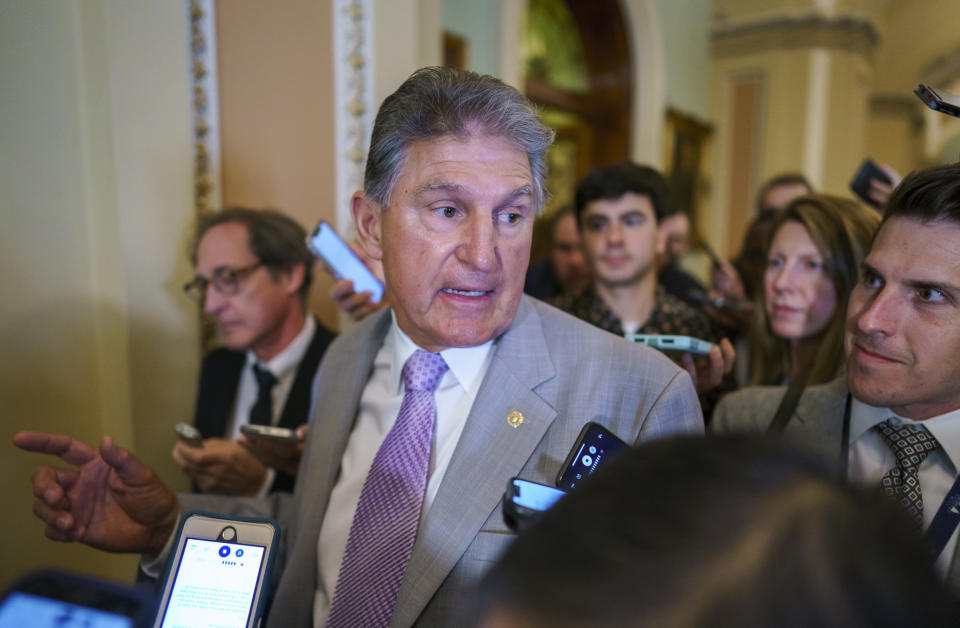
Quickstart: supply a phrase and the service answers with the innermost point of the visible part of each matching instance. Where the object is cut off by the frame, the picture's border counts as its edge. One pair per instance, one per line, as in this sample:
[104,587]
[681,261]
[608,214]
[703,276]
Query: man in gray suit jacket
[454,179]
[899,426]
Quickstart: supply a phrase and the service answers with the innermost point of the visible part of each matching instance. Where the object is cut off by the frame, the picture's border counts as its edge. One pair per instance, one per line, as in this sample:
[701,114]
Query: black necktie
[262,411]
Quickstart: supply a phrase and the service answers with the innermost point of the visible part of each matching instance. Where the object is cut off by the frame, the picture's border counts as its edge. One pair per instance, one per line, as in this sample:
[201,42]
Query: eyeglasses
[225,280]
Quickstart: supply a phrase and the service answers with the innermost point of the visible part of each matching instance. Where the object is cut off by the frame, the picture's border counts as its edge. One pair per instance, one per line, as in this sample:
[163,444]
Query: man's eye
[447,212]
[511,218]
[633,220]
[872,280]
[931,295]
[595,225]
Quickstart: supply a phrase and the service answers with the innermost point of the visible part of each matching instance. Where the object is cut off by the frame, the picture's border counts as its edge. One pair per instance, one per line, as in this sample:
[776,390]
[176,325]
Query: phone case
[213,515]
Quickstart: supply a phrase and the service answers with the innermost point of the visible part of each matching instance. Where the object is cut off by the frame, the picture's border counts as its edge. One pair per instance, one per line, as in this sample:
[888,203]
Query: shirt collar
[467,364]
[946,427]
[291,356]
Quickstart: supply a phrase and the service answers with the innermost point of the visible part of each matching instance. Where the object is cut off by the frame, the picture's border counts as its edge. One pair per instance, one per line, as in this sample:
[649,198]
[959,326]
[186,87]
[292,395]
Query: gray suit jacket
[558,371]
[816,425]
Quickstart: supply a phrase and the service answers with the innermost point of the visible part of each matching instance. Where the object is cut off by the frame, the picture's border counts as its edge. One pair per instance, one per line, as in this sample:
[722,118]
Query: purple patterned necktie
[385,524]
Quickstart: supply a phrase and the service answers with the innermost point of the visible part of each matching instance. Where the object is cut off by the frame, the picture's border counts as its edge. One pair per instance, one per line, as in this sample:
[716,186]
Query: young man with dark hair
[893,421]
[253,278]
[619,208]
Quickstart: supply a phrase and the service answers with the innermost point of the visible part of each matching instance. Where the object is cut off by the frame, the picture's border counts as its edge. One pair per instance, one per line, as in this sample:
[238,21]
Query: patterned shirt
[670,315]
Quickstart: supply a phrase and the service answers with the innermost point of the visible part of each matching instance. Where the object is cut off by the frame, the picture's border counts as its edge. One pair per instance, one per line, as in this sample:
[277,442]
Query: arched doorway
[578,69]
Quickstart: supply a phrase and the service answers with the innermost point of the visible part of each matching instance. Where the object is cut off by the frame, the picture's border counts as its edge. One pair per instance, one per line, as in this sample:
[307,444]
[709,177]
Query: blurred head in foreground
[721,532]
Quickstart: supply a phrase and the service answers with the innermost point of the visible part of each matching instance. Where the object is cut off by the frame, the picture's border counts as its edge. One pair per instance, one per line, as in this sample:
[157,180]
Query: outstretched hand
[110,501]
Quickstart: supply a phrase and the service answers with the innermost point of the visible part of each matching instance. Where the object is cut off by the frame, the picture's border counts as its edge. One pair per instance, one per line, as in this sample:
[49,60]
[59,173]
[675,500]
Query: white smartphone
[332,250]
[673,343]
[218,571]
[281,434]
[189,434]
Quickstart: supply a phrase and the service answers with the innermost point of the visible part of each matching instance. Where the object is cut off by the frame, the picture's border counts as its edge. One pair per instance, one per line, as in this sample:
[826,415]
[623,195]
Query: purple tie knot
[423,370]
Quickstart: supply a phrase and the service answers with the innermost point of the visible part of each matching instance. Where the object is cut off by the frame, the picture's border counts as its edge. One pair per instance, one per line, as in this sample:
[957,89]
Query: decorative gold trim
[204,116]
[795,33]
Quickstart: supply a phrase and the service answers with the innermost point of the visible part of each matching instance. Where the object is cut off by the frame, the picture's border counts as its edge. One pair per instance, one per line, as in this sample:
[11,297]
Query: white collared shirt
[283,366]
[870,458]
[378,410]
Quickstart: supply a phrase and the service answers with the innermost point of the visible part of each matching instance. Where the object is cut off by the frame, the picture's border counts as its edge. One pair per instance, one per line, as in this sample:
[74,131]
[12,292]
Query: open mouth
[466,293]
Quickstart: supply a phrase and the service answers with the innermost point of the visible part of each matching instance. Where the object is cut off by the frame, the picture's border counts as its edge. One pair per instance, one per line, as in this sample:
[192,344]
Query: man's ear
[662,235]
[368,219]
[293,278]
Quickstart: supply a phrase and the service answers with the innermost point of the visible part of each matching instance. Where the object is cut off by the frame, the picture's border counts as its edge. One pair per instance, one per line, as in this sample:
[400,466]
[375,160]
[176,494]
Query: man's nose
[879,314]
[479,246]
[212,299]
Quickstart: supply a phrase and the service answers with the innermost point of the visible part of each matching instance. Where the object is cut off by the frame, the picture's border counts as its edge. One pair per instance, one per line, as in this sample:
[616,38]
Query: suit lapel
[336,397]
[820,415]
[487,455]
[298,401]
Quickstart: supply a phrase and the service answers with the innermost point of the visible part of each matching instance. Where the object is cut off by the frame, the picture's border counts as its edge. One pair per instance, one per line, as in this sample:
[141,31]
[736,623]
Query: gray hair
[439,101]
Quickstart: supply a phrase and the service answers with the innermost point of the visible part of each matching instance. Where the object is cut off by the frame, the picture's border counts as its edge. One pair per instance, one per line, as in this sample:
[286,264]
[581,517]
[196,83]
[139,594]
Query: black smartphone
[938,99]
[594,448]
[524,501]
[49,599]
[861,180]
[189,434]
[280,434]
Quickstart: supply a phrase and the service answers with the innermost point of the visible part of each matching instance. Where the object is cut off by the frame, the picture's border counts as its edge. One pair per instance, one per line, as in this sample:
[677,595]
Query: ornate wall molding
[206,131]
[206,126]
[794,32]
[353,100]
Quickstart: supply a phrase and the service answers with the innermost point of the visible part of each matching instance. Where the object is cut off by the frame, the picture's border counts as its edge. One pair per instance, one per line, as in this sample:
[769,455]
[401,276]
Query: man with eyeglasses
[253,277]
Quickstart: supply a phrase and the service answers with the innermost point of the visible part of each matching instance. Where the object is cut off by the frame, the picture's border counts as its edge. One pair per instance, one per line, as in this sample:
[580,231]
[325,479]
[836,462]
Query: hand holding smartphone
[343,262]
[276,447]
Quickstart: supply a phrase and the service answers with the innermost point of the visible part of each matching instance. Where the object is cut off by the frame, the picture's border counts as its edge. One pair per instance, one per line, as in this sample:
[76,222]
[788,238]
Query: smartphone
[861,181]
[218,571]
[343,262]
[189,434]
[673,343]
[281,434]
[49,599]
[524,501]
[938,99]
[594,448]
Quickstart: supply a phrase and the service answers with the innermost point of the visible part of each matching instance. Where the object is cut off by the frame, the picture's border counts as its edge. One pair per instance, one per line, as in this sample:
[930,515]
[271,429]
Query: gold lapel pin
[515,419]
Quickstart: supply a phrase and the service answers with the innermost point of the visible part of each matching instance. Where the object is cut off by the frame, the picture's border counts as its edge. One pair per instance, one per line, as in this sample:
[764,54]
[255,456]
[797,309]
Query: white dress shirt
[283,366]
[378,410]
[870,458]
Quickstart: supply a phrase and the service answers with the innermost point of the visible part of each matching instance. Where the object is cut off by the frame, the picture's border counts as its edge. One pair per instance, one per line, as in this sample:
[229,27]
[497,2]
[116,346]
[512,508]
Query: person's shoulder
[749,409]
[588,342]
[222,357]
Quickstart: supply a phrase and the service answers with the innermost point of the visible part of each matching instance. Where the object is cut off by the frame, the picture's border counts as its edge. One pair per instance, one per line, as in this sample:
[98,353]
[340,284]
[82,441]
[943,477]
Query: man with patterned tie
[894,420]
[423,412]
[253,277]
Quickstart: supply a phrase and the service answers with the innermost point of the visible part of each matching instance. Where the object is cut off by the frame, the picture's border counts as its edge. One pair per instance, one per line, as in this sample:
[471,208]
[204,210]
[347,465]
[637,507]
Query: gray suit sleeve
[676,411]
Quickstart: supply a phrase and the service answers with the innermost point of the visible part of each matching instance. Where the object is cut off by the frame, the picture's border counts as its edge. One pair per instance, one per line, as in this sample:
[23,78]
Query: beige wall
[95,186]
[276,114]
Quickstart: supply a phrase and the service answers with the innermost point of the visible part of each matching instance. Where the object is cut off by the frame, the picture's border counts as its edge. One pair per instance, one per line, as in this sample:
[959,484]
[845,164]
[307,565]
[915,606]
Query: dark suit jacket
[558,371]
[220,379]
